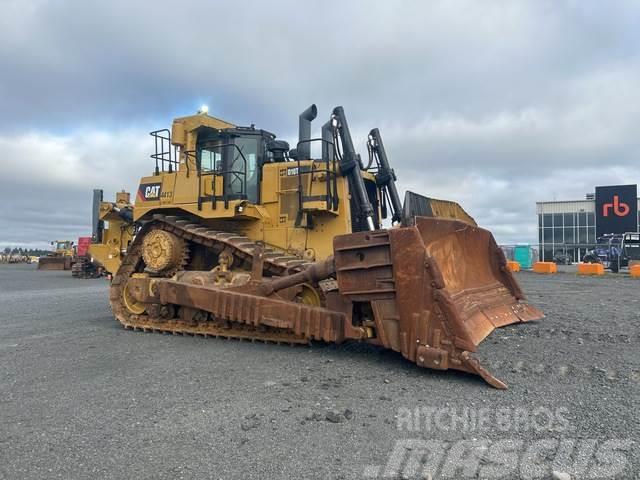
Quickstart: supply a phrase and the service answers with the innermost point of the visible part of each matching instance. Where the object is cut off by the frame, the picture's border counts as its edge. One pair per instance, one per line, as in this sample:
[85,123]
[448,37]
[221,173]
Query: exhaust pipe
[327,141]
[304,132]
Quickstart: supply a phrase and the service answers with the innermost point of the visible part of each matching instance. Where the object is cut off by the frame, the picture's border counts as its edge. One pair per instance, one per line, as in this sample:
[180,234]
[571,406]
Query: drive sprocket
[163,252]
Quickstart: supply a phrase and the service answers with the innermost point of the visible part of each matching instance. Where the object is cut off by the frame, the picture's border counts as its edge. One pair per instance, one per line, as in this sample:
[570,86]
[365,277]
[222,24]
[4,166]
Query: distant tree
[7,250]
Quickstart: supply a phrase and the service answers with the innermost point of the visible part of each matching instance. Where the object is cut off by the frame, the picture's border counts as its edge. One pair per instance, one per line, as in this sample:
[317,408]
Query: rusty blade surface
[474,277]
[436,289]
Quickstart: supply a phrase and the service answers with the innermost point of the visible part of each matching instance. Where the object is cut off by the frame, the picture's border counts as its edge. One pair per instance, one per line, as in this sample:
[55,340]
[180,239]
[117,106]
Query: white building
[567,227]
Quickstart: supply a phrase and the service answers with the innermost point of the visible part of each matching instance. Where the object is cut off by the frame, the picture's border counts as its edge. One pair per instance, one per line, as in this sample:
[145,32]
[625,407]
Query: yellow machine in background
[60,259]
[240,236]
[112,231]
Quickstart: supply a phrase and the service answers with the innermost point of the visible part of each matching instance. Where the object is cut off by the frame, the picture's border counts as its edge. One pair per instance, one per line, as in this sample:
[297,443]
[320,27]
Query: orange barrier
[513,266]
[545,267]
[591,269]
[634,271]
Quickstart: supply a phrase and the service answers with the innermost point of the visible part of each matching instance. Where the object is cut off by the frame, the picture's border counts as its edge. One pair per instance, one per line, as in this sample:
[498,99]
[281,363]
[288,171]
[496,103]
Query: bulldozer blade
[416,205]
[436,290]
[54,263]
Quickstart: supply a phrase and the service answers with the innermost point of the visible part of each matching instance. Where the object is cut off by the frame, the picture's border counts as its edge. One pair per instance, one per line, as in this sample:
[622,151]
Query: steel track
[276,262]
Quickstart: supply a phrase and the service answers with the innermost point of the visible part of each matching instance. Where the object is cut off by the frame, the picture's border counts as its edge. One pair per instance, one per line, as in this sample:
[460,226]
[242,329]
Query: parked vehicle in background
[14,258]
[60,259]
[615,250]
[83,264]
[113,231]
[562,258]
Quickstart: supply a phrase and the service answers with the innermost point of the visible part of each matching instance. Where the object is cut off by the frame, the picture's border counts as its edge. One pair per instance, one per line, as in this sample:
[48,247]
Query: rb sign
[616,209]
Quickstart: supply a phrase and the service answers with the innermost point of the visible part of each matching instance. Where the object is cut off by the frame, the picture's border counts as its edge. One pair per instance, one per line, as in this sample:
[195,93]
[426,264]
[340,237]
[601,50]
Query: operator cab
[631,245]
[62,245]
[238,155]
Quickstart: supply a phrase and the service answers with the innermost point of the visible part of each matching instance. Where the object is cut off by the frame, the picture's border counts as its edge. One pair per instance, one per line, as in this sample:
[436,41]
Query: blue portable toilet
[522,255]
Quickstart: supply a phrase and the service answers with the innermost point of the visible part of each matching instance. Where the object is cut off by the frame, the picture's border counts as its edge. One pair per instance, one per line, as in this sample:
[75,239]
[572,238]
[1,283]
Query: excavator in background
[60,259]
[236,235]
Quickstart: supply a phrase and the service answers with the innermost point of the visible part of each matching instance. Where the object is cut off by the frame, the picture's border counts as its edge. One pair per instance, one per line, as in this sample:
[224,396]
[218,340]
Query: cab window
[211,157]
[246,152]
[237,156]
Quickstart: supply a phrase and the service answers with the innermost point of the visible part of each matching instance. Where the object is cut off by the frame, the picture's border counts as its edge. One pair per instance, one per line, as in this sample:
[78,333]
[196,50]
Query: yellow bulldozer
[237,235]
[61,258]
[112,232]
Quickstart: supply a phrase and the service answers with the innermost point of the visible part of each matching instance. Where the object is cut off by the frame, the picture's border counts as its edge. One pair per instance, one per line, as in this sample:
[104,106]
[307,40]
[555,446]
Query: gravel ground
[82,398]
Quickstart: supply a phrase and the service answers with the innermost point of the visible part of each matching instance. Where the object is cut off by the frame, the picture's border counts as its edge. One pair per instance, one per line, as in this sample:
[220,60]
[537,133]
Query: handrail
[239,174]
[331,175]
[162,155]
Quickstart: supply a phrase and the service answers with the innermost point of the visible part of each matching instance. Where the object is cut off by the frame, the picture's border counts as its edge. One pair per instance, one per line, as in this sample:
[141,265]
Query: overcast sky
[494,104]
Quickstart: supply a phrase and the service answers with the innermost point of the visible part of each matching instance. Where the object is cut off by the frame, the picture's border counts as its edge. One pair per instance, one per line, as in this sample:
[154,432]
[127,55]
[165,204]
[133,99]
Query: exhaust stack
[304,132]
[327,141]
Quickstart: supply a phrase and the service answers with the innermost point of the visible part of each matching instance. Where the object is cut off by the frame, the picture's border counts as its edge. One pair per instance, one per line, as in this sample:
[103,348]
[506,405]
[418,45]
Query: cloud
[493,104]
[47,180]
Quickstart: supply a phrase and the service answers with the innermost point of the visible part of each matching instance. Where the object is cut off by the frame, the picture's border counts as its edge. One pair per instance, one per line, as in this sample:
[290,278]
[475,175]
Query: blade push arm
[386,177]
[350,167]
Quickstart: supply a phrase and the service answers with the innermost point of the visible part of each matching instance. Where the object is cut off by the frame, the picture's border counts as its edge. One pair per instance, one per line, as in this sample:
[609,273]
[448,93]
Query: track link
[276,262]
